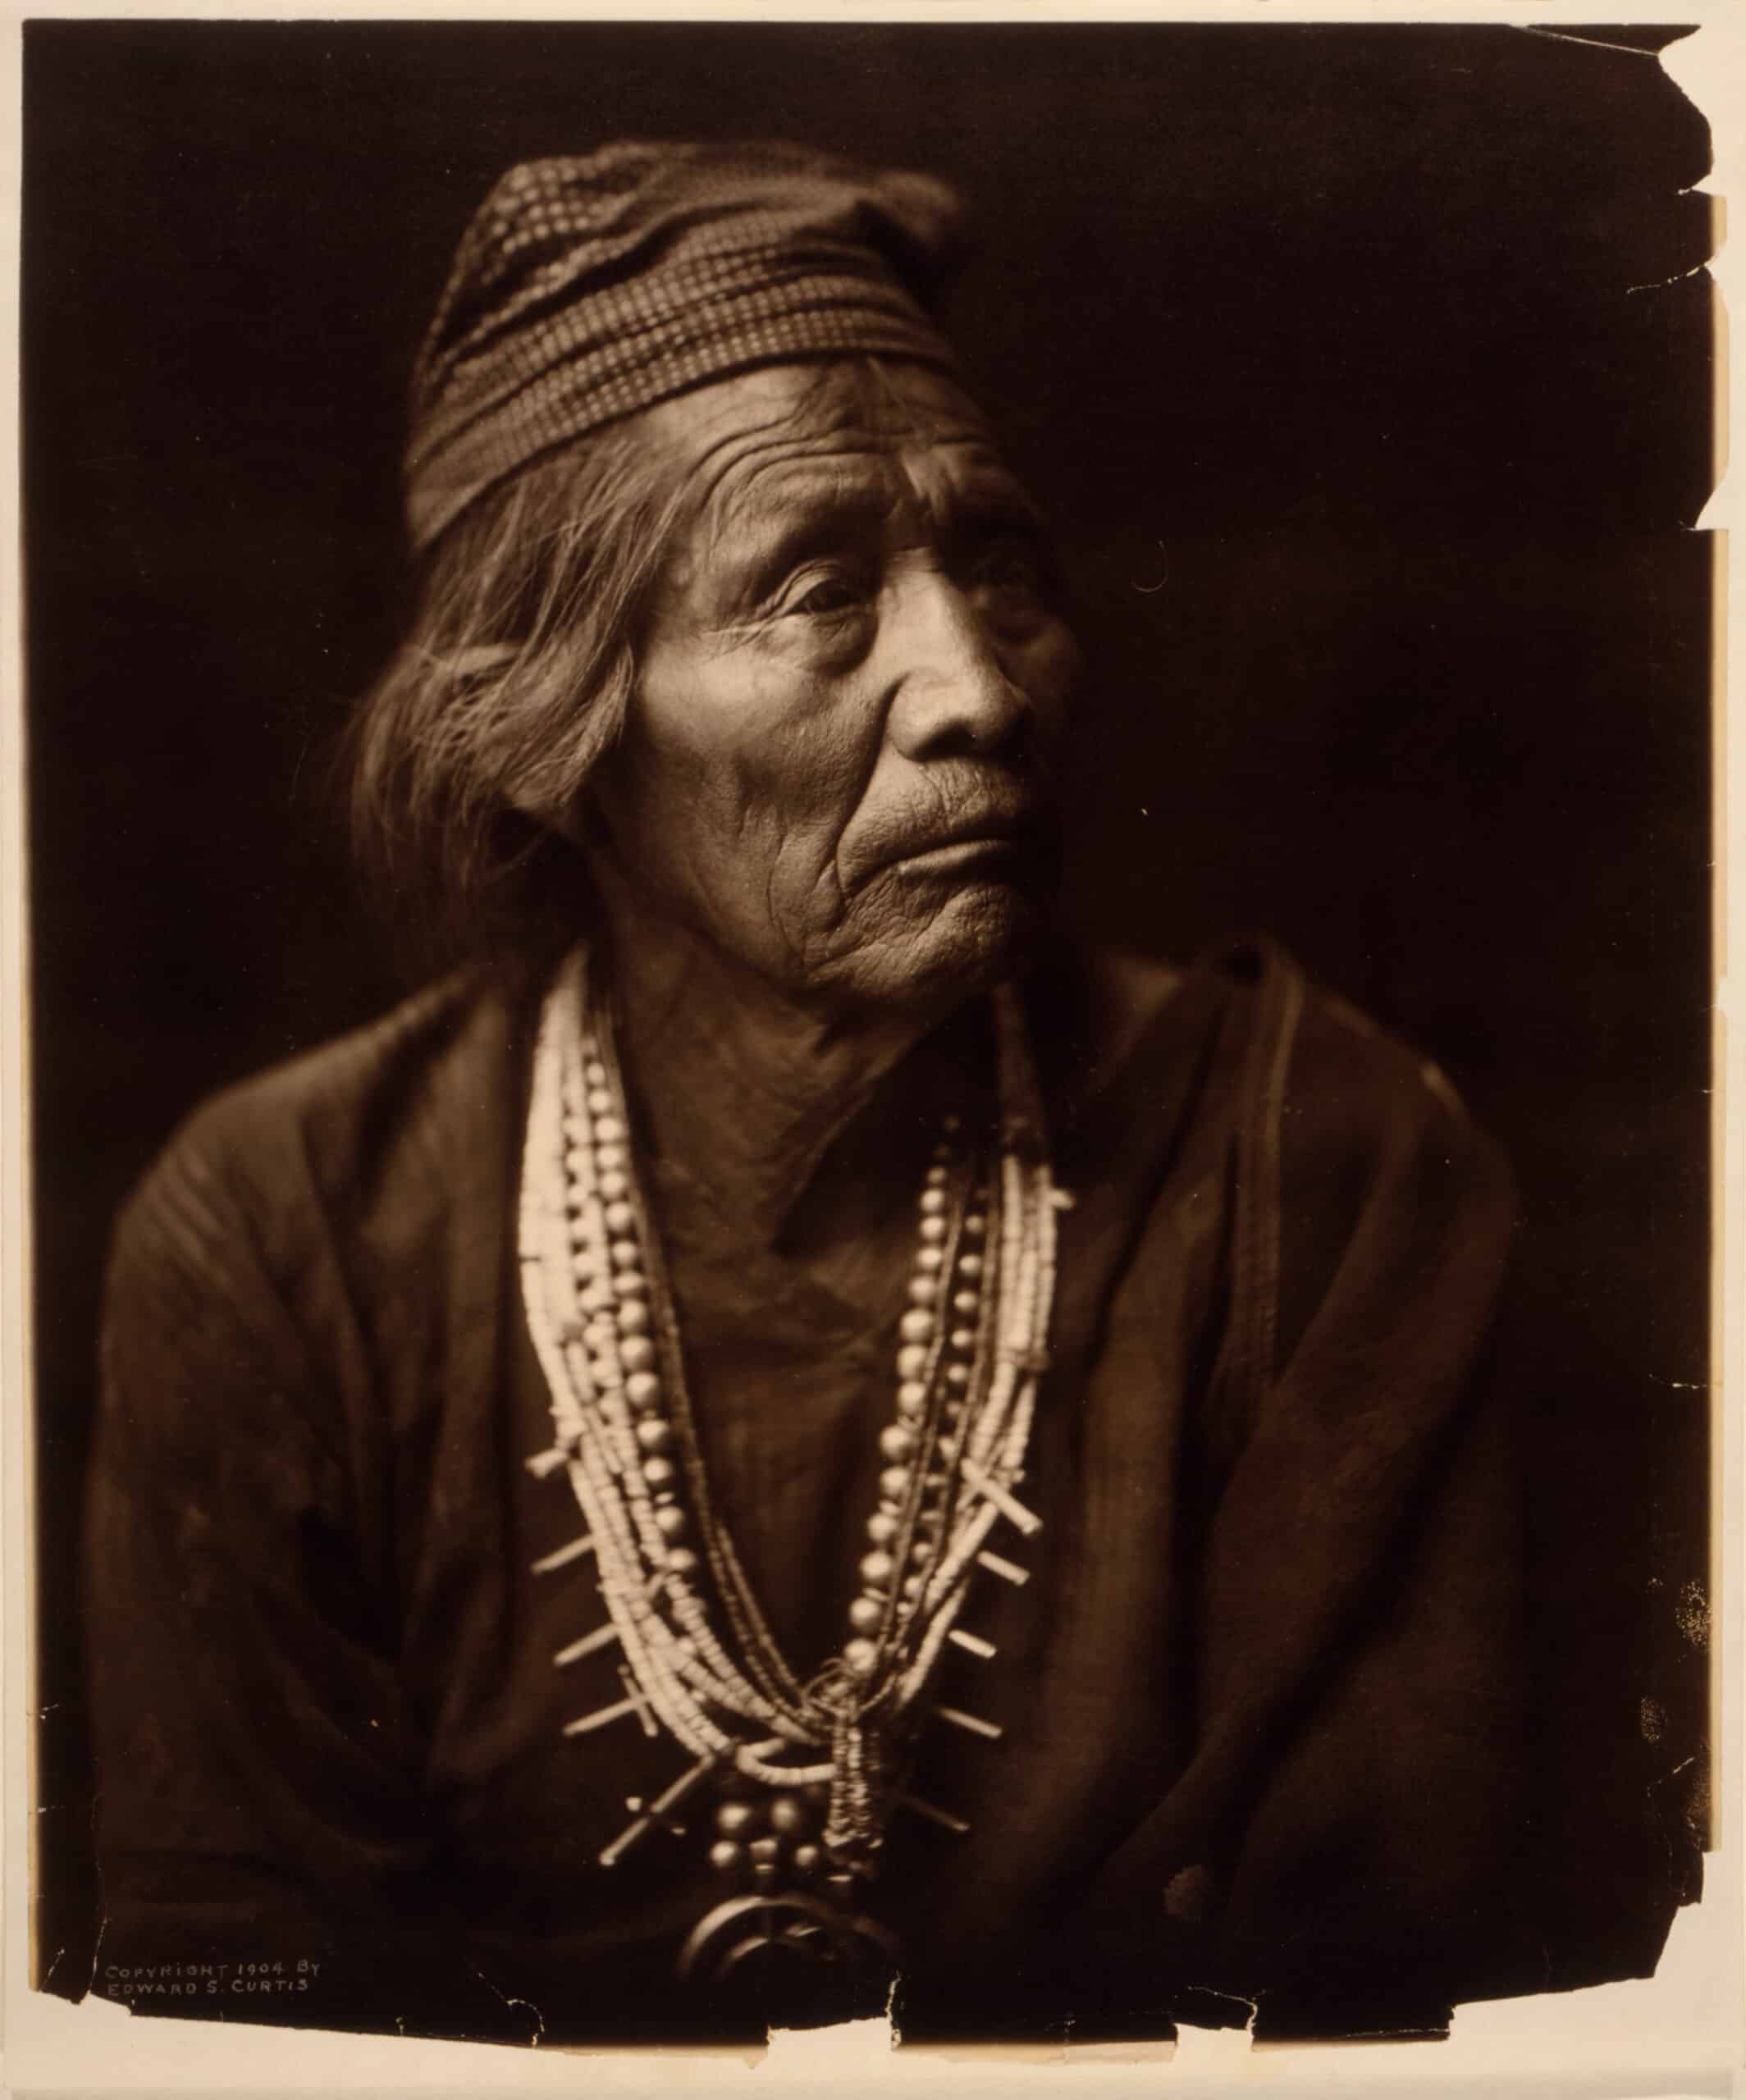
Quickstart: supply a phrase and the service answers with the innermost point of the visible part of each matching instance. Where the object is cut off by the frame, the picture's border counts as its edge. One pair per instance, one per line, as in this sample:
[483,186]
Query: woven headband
[585,290]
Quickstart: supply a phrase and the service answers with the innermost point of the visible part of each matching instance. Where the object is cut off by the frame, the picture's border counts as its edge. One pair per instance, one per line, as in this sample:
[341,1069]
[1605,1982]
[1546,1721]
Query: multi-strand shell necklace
[699,1659]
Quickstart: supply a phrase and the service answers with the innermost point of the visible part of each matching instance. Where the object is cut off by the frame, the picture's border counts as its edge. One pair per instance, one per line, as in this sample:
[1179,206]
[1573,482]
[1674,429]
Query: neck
[745,1088]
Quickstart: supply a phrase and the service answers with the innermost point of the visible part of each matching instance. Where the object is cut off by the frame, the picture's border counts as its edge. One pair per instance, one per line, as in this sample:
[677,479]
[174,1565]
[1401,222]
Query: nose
[952,694]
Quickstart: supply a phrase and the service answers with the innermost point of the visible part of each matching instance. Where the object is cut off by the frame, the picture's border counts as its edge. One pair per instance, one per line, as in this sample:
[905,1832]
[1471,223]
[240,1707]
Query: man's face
[837,766]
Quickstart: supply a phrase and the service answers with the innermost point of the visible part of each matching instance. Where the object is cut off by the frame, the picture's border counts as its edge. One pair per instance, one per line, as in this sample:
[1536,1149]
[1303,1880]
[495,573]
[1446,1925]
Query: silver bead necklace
[699,1661]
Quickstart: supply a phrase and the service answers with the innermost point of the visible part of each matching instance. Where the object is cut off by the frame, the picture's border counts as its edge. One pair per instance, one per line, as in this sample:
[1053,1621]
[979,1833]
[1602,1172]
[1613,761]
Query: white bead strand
[969,1350]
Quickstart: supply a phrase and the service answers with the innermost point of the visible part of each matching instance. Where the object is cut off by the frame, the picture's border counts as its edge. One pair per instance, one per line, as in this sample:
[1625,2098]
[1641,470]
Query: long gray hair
[468,757]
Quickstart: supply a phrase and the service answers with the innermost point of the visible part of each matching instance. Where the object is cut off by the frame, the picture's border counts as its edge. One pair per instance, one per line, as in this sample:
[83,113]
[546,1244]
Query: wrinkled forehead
[799,434]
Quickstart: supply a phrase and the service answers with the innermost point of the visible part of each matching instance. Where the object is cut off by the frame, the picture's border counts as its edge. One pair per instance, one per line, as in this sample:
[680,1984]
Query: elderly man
[778,1433]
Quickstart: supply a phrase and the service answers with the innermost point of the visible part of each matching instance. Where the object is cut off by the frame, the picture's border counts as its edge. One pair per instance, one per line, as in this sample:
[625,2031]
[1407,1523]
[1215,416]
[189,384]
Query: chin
[979,937]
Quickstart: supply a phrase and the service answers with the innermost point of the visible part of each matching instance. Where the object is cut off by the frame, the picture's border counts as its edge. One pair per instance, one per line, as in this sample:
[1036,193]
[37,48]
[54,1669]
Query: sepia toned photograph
[870,1022]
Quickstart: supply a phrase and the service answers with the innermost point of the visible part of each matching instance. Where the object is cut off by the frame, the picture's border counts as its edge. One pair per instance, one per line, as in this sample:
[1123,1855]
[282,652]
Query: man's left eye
[1010,565]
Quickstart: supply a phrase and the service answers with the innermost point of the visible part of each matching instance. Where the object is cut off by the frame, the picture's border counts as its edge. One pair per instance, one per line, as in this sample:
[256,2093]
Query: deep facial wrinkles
[788,760]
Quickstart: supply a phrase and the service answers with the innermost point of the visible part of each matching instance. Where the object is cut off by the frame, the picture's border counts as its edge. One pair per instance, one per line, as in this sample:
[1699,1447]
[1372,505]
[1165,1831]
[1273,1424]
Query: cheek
[799,787]
[746,790]
[1048,672]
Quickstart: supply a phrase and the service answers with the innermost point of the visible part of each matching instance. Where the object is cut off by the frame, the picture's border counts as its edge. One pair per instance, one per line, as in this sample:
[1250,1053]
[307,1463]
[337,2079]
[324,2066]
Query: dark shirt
[1258,1697]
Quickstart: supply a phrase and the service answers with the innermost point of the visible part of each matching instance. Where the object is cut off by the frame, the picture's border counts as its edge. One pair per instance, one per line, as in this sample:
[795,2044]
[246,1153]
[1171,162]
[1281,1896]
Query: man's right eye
[820,595]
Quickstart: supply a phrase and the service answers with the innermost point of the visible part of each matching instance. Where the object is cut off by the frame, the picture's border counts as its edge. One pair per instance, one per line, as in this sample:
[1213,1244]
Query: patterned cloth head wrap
[585,290]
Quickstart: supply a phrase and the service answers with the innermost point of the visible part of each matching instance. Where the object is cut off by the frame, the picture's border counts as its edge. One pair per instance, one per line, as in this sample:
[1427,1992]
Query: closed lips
[985,831]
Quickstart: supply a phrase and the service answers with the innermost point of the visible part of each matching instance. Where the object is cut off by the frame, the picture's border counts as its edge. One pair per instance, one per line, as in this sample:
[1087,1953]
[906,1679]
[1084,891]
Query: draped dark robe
[1257,1698]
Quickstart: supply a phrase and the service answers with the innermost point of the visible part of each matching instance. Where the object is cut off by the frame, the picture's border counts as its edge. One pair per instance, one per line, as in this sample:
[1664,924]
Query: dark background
[1362,371]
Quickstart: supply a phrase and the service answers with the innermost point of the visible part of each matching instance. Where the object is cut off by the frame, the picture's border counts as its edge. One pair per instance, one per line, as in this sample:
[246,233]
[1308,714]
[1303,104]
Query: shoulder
[1340,1085]
[1282,1041]
[272,1161]
[1337,1071]
[1358,1097]
[1367,1193]
[1328,1121]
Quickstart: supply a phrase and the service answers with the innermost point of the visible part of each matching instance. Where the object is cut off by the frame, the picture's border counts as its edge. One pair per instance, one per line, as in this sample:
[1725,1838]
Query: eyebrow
[760,532]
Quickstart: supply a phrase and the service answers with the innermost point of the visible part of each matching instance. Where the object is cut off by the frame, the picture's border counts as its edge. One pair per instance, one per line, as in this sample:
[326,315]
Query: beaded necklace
[699,1658]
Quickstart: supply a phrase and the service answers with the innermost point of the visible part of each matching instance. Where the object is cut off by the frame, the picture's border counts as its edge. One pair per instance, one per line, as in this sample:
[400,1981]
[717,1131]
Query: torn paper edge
[1676,2032]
